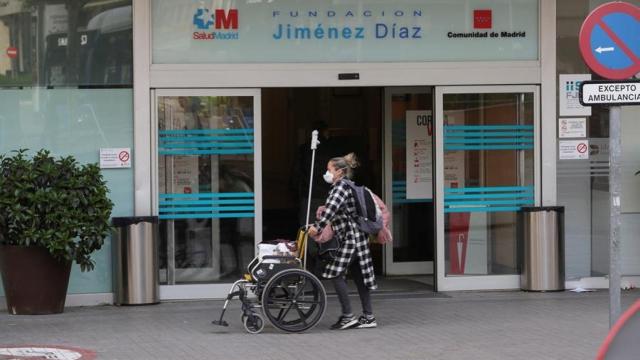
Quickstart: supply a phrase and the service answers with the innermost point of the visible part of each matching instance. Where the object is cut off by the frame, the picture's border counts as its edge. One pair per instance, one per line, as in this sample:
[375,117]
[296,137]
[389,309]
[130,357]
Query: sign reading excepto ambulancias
[610,93]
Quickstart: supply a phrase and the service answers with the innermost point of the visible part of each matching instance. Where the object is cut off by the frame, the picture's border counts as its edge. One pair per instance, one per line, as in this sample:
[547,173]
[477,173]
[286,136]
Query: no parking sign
[610,40]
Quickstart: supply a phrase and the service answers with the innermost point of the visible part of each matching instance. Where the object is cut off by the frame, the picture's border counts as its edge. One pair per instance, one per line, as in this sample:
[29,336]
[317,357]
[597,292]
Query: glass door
[409,184]
[207,188]
[487,146]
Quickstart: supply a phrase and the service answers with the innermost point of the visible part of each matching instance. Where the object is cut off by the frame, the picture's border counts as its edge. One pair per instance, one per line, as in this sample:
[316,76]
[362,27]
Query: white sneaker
[366,323]
[345,323]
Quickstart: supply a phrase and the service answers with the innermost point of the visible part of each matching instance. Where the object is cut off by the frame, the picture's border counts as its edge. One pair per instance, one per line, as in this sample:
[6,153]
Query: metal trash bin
[542,233]
[136,260]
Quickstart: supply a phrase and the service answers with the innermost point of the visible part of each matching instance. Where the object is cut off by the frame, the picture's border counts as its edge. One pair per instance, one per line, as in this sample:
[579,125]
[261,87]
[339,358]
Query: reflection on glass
[412,213]
[66,43]
[488,164]
[583,186]
[75,122]
[206,184]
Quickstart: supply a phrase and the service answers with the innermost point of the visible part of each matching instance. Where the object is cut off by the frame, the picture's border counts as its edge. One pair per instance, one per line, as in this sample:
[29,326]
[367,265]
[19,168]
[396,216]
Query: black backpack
[368,217]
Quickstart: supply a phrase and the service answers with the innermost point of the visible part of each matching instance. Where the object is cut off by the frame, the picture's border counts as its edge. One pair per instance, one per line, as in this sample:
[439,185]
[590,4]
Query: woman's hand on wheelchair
[312,231]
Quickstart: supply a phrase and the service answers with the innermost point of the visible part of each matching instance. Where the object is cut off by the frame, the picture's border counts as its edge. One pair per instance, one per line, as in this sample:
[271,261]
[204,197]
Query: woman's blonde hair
[346,163]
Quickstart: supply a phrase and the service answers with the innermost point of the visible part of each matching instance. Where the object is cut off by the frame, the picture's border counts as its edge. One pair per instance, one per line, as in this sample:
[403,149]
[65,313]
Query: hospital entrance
[453,164]
[370,122]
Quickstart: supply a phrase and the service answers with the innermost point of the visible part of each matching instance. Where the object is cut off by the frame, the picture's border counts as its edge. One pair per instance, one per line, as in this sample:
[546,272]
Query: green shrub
[54,203]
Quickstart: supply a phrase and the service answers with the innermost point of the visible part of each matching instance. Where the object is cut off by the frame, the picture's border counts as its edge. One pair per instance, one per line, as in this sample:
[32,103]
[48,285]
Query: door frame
[216,290]
[476,282]
[389,266]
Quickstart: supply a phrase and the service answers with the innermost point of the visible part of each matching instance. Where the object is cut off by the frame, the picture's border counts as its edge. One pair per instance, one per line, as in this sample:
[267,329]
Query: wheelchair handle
[275,257]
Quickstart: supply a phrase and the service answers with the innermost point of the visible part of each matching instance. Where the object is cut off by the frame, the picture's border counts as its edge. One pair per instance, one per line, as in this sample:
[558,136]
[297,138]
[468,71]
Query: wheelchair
[278,288]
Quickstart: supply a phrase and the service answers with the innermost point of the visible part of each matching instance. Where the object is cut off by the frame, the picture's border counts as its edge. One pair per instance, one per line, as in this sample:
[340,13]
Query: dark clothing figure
[353,256]
[340,211]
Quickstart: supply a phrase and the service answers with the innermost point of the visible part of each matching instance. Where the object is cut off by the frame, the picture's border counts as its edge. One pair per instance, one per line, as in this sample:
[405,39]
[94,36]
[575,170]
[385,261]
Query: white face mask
[328,177]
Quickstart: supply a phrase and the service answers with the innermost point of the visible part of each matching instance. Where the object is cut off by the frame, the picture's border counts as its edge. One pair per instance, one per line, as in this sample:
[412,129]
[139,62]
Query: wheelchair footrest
[220,323]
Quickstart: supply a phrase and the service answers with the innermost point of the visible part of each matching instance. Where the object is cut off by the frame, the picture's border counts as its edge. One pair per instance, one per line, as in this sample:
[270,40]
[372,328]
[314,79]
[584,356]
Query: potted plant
[52,212]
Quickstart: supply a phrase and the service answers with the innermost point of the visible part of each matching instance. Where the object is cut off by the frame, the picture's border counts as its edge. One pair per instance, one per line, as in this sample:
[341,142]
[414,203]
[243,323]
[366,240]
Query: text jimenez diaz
[379,30]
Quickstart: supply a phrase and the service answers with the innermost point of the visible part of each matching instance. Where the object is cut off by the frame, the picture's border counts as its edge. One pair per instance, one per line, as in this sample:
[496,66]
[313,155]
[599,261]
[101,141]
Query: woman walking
[353,255]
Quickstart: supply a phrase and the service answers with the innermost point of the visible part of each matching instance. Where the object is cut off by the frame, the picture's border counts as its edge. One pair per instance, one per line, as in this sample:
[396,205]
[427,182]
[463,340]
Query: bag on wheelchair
[328,251]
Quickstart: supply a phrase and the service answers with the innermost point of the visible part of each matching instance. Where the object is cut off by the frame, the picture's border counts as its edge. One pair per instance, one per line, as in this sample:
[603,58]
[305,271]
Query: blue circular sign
[610,40]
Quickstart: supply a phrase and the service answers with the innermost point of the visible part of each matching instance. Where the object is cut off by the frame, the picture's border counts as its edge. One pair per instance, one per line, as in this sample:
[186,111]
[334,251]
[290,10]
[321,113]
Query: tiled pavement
[412,325]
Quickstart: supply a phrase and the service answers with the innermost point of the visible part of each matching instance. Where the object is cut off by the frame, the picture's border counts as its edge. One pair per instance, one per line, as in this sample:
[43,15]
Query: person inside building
[353,255]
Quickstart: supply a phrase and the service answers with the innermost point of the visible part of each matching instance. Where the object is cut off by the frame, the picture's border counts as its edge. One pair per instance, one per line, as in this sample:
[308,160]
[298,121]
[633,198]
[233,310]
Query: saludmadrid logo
[216,24]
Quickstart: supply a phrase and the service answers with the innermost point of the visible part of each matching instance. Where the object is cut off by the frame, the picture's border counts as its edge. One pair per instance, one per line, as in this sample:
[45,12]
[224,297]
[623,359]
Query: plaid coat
[340,210]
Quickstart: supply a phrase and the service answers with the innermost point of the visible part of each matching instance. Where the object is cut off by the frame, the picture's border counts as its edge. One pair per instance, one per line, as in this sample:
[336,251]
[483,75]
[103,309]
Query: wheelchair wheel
[253,323]
[294,300]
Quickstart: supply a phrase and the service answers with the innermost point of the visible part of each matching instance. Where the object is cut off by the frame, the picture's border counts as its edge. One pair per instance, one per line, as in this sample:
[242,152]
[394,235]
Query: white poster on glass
[115,158]
[454,169]
[569,95]
[573,149]
[185,174]
[476,257]
[419,145]
[572,128]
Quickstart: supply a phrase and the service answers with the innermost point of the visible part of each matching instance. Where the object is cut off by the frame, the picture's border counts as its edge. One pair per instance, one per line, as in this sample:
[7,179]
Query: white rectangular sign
[569,95]
[419,147]
[454,169]
[185,175]
[115,158]
[610,93]
[573,149]
[303,31]
[572,128]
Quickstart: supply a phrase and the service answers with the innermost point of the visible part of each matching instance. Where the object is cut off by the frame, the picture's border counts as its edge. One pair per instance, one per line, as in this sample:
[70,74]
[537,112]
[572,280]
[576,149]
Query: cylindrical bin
[136,260]
[542,231]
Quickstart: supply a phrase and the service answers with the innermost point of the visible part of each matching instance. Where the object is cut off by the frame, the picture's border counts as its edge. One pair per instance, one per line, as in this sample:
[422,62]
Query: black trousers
[340,284]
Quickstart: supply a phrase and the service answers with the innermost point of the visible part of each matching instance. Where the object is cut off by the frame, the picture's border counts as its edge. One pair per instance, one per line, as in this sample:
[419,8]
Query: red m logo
[482,19]
[226,20]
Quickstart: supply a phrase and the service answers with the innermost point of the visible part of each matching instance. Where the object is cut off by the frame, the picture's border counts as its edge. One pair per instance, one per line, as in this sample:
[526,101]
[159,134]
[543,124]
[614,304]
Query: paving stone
[413,325]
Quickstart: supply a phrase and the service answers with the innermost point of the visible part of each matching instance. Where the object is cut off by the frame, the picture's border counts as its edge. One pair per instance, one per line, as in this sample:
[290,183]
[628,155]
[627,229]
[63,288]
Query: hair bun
[351,160]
